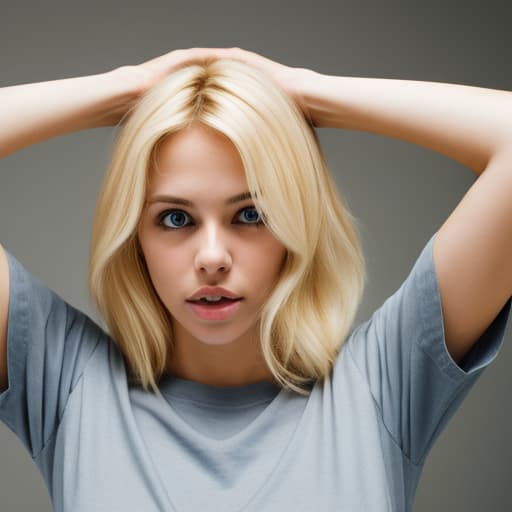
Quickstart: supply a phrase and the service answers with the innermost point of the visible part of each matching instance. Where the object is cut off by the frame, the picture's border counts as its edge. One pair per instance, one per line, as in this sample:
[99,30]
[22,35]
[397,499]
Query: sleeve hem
[17,329]
[483,352]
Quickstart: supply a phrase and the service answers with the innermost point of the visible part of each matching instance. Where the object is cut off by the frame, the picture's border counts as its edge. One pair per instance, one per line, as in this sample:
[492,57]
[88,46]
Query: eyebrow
[186,202]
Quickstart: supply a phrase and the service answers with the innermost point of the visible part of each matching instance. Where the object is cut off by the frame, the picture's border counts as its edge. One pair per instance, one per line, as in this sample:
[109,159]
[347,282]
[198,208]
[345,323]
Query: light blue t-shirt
[357,443]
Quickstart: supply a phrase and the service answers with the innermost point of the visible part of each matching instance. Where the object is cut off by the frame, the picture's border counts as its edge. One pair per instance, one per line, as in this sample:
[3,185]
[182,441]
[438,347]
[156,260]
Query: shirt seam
[391,436]
[59,422]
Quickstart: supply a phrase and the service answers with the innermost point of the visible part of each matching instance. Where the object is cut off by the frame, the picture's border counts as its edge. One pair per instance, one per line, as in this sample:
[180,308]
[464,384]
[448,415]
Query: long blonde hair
[309,313]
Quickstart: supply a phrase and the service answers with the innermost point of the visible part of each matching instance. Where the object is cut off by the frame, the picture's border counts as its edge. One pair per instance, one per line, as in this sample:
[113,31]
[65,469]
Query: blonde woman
[228,271]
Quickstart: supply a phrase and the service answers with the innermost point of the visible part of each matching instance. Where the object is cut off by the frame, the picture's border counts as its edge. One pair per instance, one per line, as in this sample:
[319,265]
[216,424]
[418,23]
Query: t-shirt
[357,443]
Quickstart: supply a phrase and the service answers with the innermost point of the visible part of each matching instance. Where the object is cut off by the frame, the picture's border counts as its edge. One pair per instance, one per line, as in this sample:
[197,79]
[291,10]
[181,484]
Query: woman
[270,399]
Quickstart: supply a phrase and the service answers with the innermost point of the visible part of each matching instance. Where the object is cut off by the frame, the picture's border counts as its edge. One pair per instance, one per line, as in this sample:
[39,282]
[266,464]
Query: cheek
[265,263]
[165,269]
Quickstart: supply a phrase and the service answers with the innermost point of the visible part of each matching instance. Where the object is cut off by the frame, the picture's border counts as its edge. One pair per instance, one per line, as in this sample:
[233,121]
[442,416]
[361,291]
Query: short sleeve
[401,353]
[49,343]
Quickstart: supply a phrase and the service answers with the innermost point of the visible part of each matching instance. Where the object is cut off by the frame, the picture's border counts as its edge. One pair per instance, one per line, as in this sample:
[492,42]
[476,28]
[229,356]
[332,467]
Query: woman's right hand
[150,72]
[290,79]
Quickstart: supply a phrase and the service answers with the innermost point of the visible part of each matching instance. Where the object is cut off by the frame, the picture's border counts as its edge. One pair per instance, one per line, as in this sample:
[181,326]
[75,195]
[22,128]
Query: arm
[38,111]
[34,112]
[468,124]
[473,248]
[31,113]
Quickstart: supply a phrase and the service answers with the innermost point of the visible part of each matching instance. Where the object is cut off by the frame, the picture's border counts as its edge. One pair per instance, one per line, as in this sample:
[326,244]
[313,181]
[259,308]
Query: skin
[216,245]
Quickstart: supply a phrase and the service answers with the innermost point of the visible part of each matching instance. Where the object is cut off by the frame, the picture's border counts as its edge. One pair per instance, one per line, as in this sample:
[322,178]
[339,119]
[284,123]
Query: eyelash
[165,213]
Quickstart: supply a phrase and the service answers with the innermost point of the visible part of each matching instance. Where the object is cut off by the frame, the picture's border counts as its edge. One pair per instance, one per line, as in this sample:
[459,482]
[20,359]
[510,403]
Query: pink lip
[214,290]
[215,312]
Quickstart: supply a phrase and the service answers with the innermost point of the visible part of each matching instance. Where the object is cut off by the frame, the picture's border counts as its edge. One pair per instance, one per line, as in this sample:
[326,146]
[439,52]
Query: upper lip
[213,290]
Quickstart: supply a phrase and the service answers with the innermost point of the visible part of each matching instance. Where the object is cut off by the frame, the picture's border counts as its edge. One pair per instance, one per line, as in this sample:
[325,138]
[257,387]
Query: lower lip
[216,312]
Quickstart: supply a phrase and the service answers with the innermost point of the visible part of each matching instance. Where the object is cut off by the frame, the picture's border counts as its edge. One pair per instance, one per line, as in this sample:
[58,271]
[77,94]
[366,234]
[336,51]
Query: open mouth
[224,300]
[220,310]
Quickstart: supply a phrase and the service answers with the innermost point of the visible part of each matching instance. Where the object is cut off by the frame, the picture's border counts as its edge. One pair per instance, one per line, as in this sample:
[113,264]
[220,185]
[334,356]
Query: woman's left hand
[290,79]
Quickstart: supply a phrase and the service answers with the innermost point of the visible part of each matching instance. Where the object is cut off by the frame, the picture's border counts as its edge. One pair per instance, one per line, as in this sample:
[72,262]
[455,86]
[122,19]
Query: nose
[213,255]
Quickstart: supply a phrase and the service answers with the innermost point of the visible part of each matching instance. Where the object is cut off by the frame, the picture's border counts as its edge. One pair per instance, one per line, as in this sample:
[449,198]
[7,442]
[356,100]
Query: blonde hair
[309,313]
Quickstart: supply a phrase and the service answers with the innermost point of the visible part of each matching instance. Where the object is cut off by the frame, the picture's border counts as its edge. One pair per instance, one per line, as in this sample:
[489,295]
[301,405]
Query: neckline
[225,396]
[276,396]
[235,397]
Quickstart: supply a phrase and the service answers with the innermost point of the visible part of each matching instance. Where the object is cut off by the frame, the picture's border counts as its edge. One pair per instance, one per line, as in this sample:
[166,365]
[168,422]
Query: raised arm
[466,123]
[473,248]
[34,112]
[473,125]
[31,113]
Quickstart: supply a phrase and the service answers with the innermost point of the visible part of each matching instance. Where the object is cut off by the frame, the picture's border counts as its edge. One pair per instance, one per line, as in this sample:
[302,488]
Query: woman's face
[210,242]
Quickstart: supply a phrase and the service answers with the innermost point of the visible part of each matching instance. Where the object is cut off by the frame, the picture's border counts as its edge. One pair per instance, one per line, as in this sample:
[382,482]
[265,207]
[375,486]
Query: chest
[327,452]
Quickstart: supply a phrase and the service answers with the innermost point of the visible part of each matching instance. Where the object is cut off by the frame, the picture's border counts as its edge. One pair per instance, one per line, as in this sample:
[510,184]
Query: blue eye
[178,218]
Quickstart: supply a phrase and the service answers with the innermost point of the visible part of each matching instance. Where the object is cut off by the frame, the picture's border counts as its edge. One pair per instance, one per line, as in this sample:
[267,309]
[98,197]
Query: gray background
[401,193]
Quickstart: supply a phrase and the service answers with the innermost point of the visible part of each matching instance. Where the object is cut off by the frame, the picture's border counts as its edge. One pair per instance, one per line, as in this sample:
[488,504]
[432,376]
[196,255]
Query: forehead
[194,156]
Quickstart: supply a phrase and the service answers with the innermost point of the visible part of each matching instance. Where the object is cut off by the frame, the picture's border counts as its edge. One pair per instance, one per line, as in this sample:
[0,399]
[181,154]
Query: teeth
[212,298]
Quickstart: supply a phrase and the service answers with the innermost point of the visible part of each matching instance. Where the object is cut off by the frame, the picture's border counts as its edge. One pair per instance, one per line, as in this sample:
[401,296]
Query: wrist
[133,80]
[310,91]
[124,87]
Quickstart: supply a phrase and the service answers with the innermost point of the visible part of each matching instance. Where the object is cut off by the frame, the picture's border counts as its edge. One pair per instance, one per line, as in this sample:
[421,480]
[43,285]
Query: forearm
[31,113]
[468,124]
